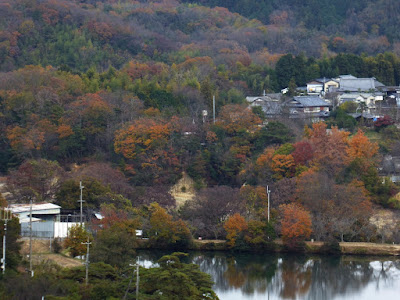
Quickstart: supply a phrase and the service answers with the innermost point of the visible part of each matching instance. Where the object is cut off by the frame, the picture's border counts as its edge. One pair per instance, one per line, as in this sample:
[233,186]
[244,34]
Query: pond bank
[348,248]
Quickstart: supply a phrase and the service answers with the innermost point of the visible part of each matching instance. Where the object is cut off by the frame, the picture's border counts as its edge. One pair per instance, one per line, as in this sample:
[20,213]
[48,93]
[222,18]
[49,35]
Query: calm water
[273,276]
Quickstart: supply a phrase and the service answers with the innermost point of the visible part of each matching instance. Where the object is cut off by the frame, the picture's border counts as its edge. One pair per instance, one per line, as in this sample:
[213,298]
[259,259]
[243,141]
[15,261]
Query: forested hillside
[118,94]
[81,34]
[332,17]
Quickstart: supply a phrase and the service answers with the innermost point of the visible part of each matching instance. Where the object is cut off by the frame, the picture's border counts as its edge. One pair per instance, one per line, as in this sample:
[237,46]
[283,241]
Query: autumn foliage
[234,226]
[361,147]
[296,224]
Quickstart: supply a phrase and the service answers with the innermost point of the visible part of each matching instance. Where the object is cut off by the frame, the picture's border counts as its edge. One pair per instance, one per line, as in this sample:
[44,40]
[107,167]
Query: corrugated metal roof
[19,208]
[27,220]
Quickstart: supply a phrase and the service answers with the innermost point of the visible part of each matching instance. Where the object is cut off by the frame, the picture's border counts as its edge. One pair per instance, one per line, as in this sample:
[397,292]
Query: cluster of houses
[321,96]
[315,102]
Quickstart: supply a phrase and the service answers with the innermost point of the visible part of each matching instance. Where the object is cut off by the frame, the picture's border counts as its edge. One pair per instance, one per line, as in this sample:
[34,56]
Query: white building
[46,220]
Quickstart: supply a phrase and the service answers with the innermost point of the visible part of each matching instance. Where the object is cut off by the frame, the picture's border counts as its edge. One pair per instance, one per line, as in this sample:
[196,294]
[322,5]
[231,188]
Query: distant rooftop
[359,84]
[310,101]
[20,208]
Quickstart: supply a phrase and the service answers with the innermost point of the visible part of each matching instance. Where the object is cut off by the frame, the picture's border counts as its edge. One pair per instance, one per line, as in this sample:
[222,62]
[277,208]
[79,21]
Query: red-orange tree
[330,147]
[361,149]
[234,118]
[296,224]
[234,226]
[165,231]
[146,143]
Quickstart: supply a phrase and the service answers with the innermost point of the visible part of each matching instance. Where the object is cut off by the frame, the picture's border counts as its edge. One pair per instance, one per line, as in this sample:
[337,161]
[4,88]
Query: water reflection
[272,276]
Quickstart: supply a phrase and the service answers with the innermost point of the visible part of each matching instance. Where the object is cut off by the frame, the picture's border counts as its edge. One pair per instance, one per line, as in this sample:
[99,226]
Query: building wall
[48,229]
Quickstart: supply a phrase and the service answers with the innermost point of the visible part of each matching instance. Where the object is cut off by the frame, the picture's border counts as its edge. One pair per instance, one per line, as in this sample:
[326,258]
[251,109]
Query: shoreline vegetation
[346,248]
[41,249]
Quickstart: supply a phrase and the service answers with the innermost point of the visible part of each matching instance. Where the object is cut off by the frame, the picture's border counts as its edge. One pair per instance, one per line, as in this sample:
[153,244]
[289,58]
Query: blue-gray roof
[359,84]
[308,101]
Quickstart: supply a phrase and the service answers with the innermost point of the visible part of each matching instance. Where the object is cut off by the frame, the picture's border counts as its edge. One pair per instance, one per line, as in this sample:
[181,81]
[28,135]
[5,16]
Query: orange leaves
[100,29]
[165,230]
[361,147]
[263,161]
[136,69]
[189,63]
[211,137]
[91,104]
[333,149]
[91,112]
[24,140]
[234,118]
[330,147]
[15,135]
[141,136]
[64,131]
[296,223]
[233,226]
[283,165]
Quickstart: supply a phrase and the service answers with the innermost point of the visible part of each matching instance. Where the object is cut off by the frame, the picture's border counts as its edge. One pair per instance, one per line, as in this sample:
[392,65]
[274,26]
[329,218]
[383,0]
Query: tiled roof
[359,84]
[309,101]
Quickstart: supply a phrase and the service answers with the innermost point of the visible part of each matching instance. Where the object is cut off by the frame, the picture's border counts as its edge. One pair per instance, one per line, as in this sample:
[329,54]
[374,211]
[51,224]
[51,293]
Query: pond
[283,276]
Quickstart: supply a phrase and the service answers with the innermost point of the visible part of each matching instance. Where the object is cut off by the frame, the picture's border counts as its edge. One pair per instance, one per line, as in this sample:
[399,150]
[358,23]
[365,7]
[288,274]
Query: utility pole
[30,237]
[268,192]
[87,261]
[137,278]
[6,217]
[214,109]
[81,201]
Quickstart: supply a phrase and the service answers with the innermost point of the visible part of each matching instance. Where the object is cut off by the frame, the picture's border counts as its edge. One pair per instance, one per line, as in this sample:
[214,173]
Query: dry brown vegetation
[41,253]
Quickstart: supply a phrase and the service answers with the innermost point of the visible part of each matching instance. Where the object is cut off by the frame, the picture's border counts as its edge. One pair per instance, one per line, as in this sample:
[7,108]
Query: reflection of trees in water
[385,273]
[257,270]
[214,264]
[294,276]
[332,276]
[250,273]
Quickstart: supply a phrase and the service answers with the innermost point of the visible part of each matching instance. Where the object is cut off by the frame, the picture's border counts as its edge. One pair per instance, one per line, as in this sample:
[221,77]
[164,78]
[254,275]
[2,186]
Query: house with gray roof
[368,100]
[297,107]
[308,107]
[359,84]
[390,167]
[271,104]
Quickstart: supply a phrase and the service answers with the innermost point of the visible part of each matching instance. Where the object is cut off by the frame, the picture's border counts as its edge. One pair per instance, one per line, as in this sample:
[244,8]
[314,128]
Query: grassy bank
[312,247]
[41,249]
